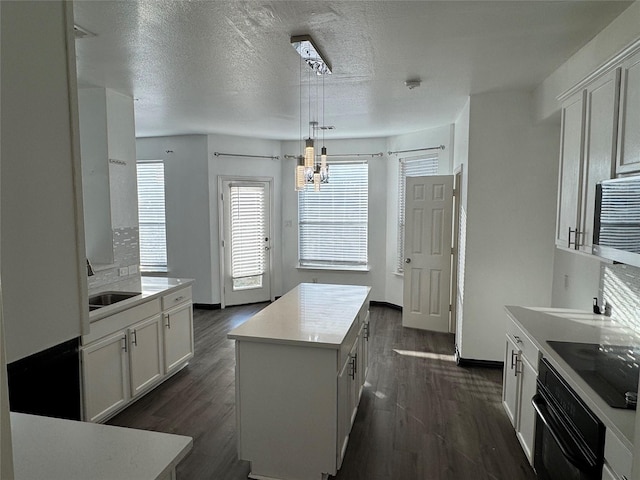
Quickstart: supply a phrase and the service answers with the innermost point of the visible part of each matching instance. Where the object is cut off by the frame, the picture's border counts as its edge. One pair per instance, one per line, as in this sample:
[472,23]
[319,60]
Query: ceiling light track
[311,54]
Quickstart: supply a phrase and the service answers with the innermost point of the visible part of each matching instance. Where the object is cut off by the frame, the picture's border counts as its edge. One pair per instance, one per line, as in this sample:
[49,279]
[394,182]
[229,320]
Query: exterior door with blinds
[246,242]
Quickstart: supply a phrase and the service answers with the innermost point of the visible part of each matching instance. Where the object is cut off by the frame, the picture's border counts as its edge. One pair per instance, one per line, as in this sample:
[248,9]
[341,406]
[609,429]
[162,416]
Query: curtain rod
[439,147]
[218,154]
[379,154]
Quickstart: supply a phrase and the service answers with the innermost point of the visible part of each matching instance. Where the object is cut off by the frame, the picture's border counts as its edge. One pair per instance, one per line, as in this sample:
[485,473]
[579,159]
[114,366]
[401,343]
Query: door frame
[221,232]
[455,249]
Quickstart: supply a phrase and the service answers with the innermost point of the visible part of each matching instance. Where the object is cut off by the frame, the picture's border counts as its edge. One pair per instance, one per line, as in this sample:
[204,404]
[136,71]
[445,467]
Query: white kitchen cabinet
[519,385]
[121,359]
[145,354]
[587,153]
[105,376]
[629,130]
[571,152]
[510,384]
[178,337]
[617,458]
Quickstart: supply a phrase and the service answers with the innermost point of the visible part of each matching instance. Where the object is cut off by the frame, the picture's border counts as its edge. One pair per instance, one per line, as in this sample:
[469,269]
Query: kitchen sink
[109,298]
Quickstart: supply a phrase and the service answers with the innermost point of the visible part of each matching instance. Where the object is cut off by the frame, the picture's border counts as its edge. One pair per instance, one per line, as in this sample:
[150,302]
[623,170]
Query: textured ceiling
[228,67]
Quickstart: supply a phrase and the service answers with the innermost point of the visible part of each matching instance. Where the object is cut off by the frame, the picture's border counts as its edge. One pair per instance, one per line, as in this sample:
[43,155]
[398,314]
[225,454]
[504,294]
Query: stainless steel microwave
[616,232]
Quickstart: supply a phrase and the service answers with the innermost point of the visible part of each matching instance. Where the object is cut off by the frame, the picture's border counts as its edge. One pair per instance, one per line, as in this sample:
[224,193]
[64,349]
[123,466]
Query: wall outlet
[124,271]
[133,269]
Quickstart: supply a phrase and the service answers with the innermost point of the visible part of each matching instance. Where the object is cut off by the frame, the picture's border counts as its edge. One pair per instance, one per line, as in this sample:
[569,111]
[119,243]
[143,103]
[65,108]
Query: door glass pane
[247,223]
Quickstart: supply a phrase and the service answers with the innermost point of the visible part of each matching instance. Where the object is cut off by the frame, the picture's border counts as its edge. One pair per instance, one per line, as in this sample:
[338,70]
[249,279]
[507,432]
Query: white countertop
[47,448]
[147,287]
[313,314]
[543,324]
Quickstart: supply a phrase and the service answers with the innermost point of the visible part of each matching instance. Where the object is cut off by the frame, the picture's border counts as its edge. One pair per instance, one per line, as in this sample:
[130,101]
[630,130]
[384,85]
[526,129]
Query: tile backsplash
[620,287]
[126,252]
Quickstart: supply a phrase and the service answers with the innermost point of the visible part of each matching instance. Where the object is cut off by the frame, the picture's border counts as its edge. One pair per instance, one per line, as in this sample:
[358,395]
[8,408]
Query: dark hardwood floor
[420,417]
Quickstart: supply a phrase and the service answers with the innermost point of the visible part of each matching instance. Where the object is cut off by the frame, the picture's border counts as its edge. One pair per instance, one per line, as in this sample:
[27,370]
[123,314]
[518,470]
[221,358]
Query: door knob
[408,260]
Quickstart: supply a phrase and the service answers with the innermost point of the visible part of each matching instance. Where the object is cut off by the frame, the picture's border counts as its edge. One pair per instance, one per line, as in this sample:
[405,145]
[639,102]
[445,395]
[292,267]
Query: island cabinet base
[301,363]
[287,410]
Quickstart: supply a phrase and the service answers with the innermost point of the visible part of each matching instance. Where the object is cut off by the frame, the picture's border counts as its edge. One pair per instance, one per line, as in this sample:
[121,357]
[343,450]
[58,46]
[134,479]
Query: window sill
[336,268]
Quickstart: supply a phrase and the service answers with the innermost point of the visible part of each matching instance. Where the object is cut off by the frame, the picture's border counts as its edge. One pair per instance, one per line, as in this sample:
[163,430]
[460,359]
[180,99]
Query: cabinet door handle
[576,234]
[366,332]
[168,319]
[513,359]
[179,299]
[518,362]
[124,343]
[517,339]
[352,373]
[135,338]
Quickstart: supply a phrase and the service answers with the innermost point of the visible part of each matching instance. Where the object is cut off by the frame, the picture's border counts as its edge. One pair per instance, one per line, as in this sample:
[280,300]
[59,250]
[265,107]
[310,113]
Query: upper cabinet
[629,138]
[587,153]
[107,140]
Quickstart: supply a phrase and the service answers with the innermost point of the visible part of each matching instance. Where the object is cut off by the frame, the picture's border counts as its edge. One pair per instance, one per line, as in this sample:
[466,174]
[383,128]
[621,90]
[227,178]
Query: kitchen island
[300,369]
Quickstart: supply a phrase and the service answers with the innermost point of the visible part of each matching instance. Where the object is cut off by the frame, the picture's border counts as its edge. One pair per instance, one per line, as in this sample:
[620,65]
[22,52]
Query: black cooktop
[611,370]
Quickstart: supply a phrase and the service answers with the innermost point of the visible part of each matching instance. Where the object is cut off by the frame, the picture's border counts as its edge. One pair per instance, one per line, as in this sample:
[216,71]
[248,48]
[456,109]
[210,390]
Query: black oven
[569,437]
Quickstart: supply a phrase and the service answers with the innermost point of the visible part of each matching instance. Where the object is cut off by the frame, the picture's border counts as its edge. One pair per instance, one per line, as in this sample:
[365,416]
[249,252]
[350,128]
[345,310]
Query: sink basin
[108,298]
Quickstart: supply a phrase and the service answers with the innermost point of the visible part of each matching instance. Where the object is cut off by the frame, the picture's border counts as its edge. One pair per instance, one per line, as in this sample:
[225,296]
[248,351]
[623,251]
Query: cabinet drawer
[617,455]
[524,343]
[176,297]
[122,320]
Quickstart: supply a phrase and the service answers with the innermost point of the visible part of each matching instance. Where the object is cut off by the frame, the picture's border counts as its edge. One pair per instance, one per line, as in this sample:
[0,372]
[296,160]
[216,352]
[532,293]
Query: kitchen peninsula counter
[300,369]
[47,448]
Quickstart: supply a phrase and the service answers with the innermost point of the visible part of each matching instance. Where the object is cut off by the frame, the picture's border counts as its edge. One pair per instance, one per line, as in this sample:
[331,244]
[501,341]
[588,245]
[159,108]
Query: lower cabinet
[519,385]
[178,337]
[105,373]
[128,353]
[145,354]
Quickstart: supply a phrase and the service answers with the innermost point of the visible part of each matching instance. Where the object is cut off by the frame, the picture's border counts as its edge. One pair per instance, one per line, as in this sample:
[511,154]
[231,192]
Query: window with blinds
[151,216]
[333,223]
[248,232]
[414,167]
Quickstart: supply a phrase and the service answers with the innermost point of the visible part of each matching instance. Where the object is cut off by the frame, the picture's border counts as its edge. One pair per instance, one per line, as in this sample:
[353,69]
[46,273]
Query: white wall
[375,278]
[510,215]
[245,167]
[188,208]
[43,255]
[425,138]
[613,38]
[576,280]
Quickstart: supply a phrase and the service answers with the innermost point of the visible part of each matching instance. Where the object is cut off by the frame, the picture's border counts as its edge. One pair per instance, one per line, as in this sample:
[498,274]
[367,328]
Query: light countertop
[147,287]
[543,324]
[56,449]
[313,314]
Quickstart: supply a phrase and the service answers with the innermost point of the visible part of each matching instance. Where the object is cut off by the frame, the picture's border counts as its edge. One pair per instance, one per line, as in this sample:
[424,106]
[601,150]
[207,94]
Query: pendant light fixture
[308,170]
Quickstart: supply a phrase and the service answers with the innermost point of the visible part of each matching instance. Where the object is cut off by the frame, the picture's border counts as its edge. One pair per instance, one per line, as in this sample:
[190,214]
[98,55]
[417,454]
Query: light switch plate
[124,271]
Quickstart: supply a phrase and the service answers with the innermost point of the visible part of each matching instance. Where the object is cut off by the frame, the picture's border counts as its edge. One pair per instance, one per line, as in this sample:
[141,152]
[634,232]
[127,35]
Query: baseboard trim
[207,306]
[470,362]
[386,304]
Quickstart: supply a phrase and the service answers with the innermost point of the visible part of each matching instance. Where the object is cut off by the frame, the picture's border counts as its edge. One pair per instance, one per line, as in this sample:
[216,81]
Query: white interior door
[246,244]
[427,272]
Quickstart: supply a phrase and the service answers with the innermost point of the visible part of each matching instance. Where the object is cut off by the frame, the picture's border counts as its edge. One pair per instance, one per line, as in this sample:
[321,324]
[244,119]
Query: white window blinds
[414,167]
[247,203]
[333,222]
[151,216]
